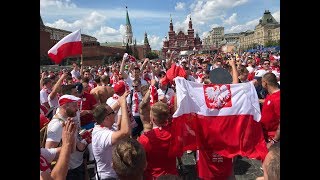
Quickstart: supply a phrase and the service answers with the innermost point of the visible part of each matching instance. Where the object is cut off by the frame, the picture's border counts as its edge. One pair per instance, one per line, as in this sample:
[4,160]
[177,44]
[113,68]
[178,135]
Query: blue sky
[105,19]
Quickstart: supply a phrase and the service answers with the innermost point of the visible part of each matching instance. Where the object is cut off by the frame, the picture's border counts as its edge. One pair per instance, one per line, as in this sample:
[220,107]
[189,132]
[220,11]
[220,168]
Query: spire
[171,25]
[129,34]
[190,23]
[146,38]
[127,17]
[135,41]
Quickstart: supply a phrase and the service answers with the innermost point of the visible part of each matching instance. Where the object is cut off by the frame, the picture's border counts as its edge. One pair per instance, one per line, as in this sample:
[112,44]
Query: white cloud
[208,10]
[231,20]
[108,34]
[276,15]
[179,6]
[182,26]
[93,21]
[250,25]
[154,41]
[214,25]
[57,3]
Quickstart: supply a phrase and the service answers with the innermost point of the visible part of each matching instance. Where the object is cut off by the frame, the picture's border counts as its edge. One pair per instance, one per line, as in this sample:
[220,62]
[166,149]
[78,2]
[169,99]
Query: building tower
[190,35]
[146,48]
[129,35]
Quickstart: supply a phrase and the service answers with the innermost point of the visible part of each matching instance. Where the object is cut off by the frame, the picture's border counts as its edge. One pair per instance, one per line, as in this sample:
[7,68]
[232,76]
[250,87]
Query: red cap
[119,88]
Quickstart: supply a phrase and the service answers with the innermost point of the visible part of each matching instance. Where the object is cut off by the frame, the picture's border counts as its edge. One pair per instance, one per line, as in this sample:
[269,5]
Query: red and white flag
[68,46]
[223,118]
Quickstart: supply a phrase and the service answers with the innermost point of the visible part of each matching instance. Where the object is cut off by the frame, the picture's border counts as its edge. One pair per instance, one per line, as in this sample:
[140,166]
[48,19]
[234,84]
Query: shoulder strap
[166,90]
[131,96]
[95,165]
[61,120]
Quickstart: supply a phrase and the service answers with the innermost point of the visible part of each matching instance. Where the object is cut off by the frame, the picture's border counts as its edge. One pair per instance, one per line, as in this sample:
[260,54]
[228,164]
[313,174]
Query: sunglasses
[135,86]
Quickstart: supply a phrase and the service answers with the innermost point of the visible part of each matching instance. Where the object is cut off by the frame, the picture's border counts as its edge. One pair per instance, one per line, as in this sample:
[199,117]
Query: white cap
[260,73]
[67,99]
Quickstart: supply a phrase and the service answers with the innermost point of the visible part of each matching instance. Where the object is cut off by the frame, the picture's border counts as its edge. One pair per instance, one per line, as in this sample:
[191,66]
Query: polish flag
[68,46]
[174,71]
[223,118]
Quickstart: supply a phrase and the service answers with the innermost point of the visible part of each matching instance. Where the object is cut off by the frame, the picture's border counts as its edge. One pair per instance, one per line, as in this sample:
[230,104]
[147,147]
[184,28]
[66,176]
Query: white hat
[67,99]
[260,73]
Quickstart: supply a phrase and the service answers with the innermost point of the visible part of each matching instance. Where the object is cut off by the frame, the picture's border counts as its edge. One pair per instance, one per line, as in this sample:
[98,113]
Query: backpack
[43,134]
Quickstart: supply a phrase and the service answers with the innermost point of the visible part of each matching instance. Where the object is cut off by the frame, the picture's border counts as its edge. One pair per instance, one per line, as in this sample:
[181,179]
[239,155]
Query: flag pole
[81,66]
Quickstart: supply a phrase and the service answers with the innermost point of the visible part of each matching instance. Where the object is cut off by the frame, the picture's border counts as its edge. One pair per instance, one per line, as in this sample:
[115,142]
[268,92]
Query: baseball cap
[119,88]
[260,73]
[67,99]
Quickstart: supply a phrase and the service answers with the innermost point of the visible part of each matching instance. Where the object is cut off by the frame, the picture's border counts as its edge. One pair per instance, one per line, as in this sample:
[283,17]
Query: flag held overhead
[70,45]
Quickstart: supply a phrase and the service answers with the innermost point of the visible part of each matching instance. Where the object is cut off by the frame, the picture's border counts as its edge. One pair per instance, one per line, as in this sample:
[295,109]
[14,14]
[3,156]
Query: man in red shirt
[87,104]
[156,144]
[270,115]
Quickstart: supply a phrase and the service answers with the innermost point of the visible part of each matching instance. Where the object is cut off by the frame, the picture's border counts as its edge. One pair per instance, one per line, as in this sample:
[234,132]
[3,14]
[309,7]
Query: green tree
[272,43]
[45,60]
[152,55]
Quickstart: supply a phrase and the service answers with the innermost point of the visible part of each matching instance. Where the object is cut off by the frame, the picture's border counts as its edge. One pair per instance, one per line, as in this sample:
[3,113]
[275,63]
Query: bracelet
[274,140]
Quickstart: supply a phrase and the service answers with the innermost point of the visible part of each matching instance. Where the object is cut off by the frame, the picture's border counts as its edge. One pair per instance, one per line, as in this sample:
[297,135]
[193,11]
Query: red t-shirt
[88,102]
[213,166]
[270,115]
[156,144]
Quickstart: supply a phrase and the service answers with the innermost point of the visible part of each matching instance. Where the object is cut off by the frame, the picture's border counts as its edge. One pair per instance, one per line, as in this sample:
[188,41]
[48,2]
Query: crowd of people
[115,119]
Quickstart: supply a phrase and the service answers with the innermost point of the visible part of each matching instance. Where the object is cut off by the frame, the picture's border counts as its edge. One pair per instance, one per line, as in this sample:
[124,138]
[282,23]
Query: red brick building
[181,41]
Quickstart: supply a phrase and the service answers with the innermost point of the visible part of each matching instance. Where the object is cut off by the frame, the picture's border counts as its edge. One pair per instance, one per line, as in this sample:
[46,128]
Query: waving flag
[67,46]
[220,118]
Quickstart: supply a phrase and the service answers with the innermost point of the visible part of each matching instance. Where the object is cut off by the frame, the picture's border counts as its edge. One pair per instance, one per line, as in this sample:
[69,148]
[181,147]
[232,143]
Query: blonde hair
[160,112]
[128,159]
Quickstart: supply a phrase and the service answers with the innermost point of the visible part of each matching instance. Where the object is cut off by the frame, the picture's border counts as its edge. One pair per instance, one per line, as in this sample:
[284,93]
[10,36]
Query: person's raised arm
[68,139]
[43,75]
[171,59]
[124,59]
[235,74]
[145,63]
[124,124]
[57,86]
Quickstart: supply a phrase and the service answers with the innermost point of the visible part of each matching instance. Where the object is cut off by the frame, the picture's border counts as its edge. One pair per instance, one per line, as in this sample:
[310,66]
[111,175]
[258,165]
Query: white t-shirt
[46,157]
[102,151]
[54,133]
[169,94]
[250,69]
[49,154]
[44,96]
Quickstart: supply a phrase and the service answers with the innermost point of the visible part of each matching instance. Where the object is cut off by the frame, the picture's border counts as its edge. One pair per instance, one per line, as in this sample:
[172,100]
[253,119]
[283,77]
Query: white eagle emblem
[217,96]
